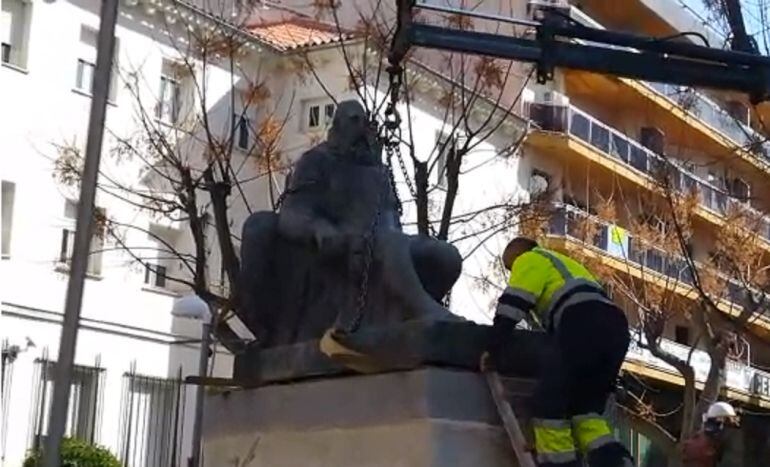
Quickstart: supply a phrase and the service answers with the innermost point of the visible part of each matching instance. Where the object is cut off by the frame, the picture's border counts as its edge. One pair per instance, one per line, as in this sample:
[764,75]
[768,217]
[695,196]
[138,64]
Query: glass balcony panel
[600,137]
[580,126]
[639,158]
[619,147]
[558,222]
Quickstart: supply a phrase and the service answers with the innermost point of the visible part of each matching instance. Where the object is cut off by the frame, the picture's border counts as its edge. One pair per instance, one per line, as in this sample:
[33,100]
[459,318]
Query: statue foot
[437,312]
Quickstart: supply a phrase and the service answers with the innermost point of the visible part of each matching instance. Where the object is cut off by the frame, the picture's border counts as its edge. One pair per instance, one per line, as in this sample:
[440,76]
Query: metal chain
[389,153]
[390,136]
[363,289]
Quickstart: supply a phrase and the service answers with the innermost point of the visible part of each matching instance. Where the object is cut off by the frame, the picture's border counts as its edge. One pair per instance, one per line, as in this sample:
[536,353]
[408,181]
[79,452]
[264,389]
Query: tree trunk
[421,201]
[188,199]
[741,40]
[714,382]
[219,191]
[454,158]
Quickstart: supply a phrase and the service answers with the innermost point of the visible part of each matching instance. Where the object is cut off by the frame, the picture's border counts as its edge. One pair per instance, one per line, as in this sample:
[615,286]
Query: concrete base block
[424,417]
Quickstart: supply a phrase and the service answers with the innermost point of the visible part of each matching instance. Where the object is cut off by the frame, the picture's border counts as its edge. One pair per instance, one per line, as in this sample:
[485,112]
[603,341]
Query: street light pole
[194,307]
[200,391]
[83,231]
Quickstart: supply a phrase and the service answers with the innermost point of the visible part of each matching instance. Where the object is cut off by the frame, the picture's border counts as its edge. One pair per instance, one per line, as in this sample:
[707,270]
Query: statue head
[351,136]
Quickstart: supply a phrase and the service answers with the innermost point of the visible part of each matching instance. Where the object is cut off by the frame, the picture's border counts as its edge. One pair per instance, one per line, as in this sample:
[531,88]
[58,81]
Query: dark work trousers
[582,361]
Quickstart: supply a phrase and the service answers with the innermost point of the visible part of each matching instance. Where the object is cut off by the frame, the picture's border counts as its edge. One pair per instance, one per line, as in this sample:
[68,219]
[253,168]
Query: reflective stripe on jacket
[547,282]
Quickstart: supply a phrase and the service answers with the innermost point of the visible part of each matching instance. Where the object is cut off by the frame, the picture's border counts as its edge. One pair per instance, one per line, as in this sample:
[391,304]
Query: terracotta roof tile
[297,33]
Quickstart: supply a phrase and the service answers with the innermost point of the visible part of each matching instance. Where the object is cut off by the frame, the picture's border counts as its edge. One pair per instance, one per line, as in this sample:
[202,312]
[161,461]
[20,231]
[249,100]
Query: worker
[587,341]
[714,444]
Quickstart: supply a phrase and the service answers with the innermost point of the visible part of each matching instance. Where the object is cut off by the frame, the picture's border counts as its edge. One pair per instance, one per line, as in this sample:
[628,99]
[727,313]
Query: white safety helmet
[719,410]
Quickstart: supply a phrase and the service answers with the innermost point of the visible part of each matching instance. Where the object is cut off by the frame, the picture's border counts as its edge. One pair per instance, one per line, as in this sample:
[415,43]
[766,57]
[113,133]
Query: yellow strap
[591,432]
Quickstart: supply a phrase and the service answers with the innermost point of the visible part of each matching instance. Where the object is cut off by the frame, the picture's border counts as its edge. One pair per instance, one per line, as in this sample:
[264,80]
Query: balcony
[703,108]
[614,146]
[740,376]
[614,242]
[695,103]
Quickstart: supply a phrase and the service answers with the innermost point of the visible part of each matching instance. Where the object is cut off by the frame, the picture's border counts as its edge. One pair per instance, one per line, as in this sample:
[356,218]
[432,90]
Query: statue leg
[438,264]
[393,251]
[257,244]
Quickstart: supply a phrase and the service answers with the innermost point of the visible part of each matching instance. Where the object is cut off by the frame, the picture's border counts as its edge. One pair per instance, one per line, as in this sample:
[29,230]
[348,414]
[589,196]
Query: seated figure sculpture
[302,267]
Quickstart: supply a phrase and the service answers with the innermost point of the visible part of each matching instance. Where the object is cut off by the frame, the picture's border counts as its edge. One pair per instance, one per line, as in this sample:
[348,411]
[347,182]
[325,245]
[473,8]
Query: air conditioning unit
[739,188]
[533,6]
[653,139]
[739,111]
[549,110]
[551,97]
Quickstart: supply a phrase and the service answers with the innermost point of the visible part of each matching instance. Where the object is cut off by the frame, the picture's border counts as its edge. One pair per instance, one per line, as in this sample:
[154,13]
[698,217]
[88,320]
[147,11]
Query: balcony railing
[709,111]
[619,147]
[569,221]
[695,102]
[738,375]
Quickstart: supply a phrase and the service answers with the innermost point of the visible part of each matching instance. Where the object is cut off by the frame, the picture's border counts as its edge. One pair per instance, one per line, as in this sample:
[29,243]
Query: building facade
[128,392]
[588,138]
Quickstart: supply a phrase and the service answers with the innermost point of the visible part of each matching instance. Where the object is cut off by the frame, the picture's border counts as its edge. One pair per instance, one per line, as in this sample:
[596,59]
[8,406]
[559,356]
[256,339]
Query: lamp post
[57,419]
[194,307]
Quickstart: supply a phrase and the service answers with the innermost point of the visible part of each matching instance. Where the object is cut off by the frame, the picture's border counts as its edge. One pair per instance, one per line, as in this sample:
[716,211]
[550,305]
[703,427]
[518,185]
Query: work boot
[610,455]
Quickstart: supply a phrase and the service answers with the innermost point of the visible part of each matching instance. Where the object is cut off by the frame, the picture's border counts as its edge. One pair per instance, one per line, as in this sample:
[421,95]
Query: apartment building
[133,355]
[605,138]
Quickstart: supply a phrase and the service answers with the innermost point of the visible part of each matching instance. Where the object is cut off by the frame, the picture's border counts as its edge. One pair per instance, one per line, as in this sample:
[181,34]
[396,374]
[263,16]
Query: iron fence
[152,420]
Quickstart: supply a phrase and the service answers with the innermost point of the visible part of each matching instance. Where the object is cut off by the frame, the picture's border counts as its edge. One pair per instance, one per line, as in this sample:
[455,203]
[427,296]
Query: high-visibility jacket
[547,282]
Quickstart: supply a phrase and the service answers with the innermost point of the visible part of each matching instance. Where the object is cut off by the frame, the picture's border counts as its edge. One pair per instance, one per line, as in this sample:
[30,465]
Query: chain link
[390,137]
[363,289]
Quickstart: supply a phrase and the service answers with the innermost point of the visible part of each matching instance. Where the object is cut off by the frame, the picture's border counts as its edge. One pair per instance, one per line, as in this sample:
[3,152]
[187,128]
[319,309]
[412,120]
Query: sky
[756,13]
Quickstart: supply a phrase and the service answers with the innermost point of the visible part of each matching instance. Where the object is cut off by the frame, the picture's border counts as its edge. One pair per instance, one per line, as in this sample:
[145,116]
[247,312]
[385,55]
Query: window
[159,263]
[169,96]
[85,75]
[682,335]
[151,428]
[319,115]
[14,28]
[86,63]
[68,240]
[444,148]
[8,195]
[84,406]
[155,275]
[241,125]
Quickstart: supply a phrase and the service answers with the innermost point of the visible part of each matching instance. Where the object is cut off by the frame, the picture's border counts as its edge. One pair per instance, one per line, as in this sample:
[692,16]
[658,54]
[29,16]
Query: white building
[132,353]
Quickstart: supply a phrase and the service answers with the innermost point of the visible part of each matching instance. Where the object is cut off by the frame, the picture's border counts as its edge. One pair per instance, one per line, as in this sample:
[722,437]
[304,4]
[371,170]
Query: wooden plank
[511,424]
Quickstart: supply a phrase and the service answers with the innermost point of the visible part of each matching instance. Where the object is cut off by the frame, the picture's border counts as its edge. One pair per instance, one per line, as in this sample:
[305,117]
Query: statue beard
[359,150]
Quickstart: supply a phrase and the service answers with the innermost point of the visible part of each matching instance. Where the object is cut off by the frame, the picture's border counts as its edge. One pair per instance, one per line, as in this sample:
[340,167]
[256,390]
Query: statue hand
[328,241]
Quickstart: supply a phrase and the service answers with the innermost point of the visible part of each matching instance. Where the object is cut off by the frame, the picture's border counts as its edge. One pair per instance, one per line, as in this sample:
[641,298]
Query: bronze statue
[303,267]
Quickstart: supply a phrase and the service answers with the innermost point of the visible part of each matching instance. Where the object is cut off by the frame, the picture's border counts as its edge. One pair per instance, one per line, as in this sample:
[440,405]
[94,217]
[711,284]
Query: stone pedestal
[416,418]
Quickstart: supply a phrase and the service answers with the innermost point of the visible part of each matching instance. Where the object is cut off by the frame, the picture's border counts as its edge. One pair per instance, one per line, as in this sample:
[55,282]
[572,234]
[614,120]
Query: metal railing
[568,221]
[615,145]
[694,102]
[152,420]
[739,375]
[713,115]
